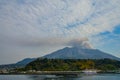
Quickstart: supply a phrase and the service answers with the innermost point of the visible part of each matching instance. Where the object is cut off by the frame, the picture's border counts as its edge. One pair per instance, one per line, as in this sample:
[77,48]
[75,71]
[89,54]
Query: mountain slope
[25,61]
[79,53]
[21,63]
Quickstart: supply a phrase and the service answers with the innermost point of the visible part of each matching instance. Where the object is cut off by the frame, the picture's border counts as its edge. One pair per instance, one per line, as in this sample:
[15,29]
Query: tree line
[41,64]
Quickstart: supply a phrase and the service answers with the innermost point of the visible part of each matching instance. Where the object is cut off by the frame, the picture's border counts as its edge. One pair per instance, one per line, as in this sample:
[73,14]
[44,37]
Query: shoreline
[59,73]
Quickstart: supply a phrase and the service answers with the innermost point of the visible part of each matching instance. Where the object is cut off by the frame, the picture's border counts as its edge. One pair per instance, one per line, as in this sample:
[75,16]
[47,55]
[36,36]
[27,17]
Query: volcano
[79,53]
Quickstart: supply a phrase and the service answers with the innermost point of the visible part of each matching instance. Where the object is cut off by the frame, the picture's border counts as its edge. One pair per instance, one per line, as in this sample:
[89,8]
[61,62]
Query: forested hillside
[72,64]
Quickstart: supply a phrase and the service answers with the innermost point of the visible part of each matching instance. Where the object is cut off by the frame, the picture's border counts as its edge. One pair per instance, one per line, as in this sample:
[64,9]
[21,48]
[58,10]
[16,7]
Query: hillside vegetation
[72,64]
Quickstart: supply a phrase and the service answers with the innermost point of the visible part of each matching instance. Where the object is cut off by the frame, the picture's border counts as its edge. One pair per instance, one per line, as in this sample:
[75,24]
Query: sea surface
[53,77]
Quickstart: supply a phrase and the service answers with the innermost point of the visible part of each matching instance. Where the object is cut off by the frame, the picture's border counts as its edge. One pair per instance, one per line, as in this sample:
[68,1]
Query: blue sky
[33,28]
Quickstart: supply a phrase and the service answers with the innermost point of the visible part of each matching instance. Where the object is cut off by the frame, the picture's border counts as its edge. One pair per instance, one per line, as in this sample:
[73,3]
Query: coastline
[57,73]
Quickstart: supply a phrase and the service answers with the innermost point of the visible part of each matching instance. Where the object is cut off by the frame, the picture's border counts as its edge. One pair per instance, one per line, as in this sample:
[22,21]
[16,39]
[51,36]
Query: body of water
[53,77]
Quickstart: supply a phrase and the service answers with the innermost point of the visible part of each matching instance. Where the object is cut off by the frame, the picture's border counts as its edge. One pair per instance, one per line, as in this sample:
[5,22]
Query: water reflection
[81,77]
[51,77]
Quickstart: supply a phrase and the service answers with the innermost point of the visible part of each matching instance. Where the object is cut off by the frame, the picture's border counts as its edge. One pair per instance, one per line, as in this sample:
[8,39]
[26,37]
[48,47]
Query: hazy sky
[33,28]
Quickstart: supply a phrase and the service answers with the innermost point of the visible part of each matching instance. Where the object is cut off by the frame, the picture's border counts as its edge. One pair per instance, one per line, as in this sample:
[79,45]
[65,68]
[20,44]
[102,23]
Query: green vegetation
[72,64]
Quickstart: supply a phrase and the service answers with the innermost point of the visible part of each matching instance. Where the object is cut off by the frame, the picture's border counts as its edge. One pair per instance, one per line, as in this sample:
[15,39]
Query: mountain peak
[77,52]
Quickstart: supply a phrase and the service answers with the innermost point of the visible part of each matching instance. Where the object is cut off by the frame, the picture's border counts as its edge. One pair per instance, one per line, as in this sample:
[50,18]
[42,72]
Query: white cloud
[59,17]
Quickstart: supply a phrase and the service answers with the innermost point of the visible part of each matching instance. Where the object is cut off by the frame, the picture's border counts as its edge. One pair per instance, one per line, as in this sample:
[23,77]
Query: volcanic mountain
[79,53]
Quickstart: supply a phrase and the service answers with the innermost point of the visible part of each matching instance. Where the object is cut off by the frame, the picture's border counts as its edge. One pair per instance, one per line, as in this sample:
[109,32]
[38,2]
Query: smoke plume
[80,43]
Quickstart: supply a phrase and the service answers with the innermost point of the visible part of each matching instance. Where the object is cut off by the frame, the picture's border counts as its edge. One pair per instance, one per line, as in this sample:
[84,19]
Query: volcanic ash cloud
[80,43]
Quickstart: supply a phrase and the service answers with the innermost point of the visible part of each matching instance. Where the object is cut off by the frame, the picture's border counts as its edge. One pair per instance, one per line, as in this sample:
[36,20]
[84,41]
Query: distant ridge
[21,63]
[25,61]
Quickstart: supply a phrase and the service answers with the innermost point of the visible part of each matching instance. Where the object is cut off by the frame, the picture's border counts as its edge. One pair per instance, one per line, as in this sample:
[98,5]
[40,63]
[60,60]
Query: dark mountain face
[79,53]
[21,63]
[25,61]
